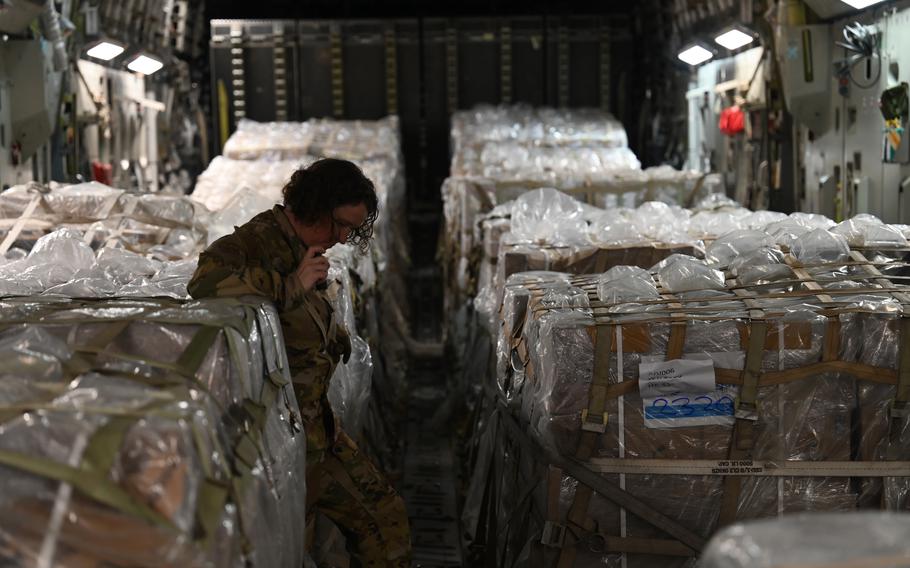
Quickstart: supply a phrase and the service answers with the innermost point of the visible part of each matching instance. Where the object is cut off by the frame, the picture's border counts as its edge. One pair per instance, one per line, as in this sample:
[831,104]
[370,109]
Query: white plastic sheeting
[349,389]
[61,263]
[165,473]
[857,539]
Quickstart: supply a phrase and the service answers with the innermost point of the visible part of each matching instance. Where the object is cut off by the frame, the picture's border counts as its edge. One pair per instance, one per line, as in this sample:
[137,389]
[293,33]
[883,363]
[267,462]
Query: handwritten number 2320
[681,406]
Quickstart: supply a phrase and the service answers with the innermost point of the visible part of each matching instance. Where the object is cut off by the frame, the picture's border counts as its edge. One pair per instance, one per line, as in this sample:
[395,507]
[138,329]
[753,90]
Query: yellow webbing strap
[602,486]
[194,353]
[594,417]
[576,522]
[210,505]
[831,348]
[746,410]
[746,416]
[91,483]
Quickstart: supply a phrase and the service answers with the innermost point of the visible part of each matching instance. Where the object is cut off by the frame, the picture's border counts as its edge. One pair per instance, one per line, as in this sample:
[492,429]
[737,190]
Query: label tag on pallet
[682,393]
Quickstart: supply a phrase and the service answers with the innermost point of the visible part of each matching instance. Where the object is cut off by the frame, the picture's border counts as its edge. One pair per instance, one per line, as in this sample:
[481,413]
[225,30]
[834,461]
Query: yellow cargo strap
[746,417]
[91,483]
[605,488]
[594,417]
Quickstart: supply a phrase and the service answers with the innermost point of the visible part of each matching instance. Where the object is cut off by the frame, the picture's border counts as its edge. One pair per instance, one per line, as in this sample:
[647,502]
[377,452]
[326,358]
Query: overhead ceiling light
[105,50]
[860,4]
[695,55]
[734,39]
[144,64]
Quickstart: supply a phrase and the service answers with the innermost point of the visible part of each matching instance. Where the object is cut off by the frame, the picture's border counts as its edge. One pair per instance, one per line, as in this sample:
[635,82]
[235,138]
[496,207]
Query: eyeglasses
[341,229]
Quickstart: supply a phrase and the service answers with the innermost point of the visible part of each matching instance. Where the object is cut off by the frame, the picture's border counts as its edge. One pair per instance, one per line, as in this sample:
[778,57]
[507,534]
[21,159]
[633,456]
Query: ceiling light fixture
[860,4]
[105,50]
[144,64]
[734,39]
[695,55]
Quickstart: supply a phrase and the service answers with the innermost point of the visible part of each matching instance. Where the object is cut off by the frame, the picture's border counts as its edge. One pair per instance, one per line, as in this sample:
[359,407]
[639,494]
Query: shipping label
[682,393]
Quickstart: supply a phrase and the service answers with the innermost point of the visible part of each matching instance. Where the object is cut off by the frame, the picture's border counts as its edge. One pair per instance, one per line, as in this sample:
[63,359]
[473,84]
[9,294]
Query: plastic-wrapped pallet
[534,127]
[225,180]
[508,161]
[466,202]
[632,376]
[232,188]
[165,226]
[583,240]
[855,540]
[351,139]
[62,264]
[148,433]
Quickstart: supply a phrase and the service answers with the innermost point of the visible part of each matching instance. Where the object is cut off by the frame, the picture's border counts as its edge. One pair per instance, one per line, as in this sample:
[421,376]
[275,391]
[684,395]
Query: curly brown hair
[313,193]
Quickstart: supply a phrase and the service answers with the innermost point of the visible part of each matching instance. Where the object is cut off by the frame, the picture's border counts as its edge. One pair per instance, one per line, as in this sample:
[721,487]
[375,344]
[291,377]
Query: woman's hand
[313,269]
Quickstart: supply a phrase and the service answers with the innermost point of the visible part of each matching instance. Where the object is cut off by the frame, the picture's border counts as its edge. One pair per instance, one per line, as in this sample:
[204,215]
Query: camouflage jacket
[261,258]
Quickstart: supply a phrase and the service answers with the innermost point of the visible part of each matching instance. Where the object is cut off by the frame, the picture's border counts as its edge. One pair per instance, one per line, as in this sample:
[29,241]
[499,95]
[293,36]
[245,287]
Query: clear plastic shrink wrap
[519,149]
[60,263]
[513,161]
[817,540]
[625,284]
[510,372]
[548,216]
[224,179]
[546,371]
[868,230]
[820,245]
[349,389]
[536,126]
[166,226]
[736,243]
[148,433]
[618,237]
[258,161]
[688,274]
[352,139]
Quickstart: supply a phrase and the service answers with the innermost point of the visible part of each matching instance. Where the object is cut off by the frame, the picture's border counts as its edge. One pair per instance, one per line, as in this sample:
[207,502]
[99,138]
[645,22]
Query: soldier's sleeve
[225,271]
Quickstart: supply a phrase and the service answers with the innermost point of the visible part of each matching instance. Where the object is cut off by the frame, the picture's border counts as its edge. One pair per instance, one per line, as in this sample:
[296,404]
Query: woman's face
[333,229]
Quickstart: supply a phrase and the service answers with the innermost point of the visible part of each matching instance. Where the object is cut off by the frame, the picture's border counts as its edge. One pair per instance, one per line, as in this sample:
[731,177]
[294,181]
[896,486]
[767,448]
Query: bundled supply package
[639,410]
[148,433]
[501,153]
[348,139]
[62,264]
[823,539]
[469,201]
[532,127]
[159,225]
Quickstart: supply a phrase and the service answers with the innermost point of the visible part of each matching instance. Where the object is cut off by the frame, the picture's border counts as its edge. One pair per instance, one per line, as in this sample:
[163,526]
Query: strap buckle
[746,411]
[593,425]
[553,535]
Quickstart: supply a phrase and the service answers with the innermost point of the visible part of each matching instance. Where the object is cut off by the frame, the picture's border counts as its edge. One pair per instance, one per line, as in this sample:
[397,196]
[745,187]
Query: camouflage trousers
[344,485]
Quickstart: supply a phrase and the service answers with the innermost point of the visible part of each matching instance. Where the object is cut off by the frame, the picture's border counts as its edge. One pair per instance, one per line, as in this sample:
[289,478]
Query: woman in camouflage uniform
[278,254]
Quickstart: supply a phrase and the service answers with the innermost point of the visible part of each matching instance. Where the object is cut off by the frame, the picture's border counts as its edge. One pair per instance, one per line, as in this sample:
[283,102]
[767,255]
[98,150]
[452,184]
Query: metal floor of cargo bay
[430,472]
